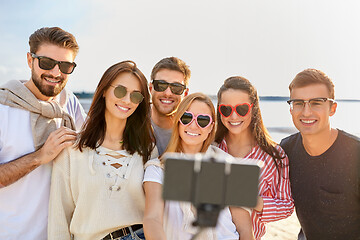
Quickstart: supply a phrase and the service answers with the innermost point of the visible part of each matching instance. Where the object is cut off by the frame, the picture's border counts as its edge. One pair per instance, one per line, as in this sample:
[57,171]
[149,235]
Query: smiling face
[121,108]
[192,136]
[48,83]
[165,103]
[310,121]
[234,123]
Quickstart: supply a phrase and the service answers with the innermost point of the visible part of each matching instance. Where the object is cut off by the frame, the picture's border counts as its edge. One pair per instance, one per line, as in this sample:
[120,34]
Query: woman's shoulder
[154,162]
[267,158]
[215,149]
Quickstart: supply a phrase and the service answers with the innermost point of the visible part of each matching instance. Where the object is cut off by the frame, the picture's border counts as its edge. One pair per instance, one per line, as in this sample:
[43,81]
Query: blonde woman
[193,132]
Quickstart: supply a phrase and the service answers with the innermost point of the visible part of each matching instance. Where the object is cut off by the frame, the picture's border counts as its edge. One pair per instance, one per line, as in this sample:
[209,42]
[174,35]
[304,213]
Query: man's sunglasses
[47,63]
[120,92]
[161,85]
[202,120]
[242,109]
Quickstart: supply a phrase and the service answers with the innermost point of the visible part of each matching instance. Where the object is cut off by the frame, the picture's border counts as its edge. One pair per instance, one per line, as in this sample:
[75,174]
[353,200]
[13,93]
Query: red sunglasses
[242,109]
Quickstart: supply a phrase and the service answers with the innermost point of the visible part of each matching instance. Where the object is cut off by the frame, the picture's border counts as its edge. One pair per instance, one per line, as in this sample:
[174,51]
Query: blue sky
[267,42]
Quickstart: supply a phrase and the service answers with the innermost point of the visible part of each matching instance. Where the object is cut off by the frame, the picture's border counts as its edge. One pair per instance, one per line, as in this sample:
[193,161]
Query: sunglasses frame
[171,85]
[196,117]
[304,102]
[131,94]
[33,55]
[233,108]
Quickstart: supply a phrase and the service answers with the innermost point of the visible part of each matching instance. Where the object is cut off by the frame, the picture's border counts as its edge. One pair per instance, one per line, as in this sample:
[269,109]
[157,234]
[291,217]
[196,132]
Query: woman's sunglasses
[202,120]
[47,63]
[242,109]
[161,85]
[120,92]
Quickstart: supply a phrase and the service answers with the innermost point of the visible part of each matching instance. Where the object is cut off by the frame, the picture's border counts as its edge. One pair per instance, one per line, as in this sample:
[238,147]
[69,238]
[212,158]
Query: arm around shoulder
[12,171]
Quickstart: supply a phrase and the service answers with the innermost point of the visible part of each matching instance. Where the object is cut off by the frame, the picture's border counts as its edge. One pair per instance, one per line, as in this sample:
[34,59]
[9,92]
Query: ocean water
[277,118]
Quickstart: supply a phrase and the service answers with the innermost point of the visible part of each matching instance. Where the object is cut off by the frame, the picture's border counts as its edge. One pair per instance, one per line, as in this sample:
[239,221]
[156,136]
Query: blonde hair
[175,143]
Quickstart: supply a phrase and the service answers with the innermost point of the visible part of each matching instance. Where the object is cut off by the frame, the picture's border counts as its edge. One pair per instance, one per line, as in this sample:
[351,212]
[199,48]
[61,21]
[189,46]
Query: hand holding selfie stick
[210,183]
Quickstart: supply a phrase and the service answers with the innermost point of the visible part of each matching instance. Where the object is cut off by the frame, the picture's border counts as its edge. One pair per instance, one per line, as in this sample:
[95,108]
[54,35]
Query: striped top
[274,188]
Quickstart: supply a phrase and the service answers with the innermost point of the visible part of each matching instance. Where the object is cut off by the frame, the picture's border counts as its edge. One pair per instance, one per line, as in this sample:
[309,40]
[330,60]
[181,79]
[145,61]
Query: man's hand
[12,171]
[56,142]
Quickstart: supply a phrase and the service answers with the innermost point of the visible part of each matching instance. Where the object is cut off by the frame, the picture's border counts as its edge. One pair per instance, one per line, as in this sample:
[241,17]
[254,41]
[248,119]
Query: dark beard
[49,91]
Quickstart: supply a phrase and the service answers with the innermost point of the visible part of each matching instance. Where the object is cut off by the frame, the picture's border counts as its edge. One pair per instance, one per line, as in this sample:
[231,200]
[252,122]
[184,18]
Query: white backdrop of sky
[267,42]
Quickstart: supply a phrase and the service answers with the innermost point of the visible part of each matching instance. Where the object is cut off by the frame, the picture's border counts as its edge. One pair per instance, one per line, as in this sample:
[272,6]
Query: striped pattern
[273,188]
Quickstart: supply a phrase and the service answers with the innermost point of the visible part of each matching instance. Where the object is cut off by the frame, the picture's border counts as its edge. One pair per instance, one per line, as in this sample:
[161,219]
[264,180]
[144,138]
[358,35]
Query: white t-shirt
[24,204]
[225,228]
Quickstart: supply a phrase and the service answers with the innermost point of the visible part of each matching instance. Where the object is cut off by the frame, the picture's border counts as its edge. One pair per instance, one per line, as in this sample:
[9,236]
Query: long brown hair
[257,126]
[175,143]
[138,135]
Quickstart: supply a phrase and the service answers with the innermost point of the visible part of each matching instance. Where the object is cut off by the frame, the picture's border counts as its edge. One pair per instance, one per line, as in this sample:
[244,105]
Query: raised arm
[154,211]
[12,171]
[242,220]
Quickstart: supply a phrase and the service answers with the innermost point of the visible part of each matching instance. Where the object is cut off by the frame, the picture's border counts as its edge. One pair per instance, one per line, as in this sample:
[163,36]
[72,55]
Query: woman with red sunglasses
[241,132]
[172,220]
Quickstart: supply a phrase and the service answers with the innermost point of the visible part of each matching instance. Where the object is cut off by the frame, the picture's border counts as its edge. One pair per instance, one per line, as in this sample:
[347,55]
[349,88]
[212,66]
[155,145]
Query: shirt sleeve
[75,110]
[275,190]
[153,174]
[61,205]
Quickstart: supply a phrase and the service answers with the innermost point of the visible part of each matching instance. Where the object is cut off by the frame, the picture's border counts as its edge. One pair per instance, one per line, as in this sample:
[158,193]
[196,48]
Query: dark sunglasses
[242,109]
[161,85]
[46,63]
[202,120]
[120,92]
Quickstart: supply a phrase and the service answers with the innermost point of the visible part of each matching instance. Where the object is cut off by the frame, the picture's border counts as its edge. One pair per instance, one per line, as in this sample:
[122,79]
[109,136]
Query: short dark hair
[172,63]
[312,76]
[53,35]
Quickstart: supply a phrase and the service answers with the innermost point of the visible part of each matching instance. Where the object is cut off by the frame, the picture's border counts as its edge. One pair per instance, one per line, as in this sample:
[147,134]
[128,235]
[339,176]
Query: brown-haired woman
[241,133]
[193,132]
[96,187]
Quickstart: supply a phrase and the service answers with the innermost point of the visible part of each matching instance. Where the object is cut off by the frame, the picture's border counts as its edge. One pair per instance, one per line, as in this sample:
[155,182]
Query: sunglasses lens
[46,63]
[120,91]
[177,89]
[186,118]
[66,67]
[225,110]
[160,85]
[242,109]
[136,97]
[203,120]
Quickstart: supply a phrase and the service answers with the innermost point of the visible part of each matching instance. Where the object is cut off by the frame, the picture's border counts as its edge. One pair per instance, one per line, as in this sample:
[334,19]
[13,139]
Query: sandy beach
[286,229]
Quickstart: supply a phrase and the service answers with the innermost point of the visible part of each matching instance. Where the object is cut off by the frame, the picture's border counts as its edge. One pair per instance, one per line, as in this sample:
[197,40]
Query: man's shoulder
[349,136]
[290,140]
[5,110]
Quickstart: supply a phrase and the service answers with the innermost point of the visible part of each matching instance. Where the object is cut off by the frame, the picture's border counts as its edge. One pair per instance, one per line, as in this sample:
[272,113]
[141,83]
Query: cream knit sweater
[89,197]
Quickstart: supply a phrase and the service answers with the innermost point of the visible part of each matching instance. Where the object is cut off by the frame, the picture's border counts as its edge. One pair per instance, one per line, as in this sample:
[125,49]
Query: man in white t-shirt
[25,165]
[169,85]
